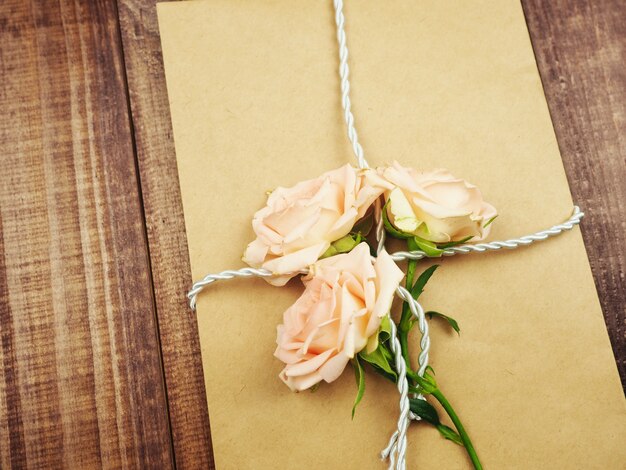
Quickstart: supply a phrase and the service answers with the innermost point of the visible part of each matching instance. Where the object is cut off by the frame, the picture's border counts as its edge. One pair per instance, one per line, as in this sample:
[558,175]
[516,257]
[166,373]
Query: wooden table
[100,355]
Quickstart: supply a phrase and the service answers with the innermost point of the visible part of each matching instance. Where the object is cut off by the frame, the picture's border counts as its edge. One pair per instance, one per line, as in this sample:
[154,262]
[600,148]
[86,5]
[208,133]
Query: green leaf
[391,230]
[451,244]
[490,221]
[391,378]
[424,410]
[451,321]
[314,388]
[419,285]
[360,382]
[379,358]
[449,434]
[428,247]
[429,368]
[428,413]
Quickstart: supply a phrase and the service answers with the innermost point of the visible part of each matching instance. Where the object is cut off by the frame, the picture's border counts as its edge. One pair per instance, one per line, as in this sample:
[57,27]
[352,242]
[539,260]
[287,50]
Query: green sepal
[490,221]
[343,245]
[384,332]
[364,224]
[379,359]
[429,248]
[451,321]
[427,383]
[331,251]
[450,434]
[360,382]
[391,230]
[443,246]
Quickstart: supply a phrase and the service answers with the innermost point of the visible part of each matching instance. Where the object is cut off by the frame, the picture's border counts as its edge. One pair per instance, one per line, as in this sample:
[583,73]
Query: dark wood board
[81,380]
[169,257]
[580,48]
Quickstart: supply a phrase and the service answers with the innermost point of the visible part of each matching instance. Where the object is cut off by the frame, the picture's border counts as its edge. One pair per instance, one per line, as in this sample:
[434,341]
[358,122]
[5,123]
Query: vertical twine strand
[344,73]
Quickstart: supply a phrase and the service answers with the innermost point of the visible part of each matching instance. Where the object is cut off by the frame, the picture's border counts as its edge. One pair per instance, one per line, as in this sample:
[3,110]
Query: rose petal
[298,260]
[388,277]
[333,368]
[308,366]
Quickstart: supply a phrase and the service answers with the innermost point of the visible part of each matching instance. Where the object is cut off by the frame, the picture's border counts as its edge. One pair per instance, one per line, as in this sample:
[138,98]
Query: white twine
[198,286]
[397,446]
[401,255]
[397,455]
[381,235]
[569,224]
[396,449]
[344,72]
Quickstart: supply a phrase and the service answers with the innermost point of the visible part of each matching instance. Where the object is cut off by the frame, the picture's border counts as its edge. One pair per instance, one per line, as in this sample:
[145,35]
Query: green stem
[403,336]
[405,318]
[412,375]
[415,390]
[410,272]
[459,427]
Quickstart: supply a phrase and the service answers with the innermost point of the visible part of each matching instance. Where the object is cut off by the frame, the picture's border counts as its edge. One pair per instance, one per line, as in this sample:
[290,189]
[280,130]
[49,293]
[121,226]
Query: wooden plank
[166,233]
[81,383]
[581,51]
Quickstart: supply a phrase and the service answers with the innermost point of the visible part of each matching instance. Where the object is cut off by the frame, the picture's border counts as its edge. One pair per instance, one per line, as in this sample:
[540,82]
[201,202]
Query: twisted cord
[574,220]
[397,441]
[381,235]
[397,452]
[198,286]
[418,312]
[344,73]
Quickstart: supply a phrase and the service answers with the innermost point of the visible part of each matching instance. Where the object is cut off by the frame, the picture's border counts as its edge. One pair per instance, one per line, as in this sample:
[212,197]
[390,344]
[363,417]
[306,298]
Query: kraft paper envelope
[255,103]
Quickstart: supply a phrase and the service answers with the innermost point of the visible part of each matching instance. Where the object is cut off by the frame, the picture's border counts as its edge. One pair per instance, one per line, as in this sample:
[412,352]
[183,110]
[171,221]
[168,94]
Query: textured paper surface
[254,95]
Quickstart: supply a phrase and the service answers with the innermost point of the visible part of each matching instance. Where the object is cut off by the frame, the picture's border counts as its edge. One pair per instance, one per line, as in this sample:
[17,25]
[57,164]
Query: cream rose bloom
[298,224]
[435,205]
[346,297]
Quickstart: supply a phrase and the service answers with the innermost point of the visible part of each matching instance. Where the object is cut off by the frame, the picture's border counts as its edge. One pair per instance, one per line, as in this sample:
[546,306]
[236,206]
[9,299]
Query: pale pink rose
[298,224]
[346,297]
[435,205]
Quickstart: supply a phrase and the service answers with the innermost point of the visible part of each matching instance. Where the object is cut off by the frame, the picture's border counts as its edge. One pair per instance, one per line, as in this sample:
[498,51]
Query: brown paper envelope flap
[255,104]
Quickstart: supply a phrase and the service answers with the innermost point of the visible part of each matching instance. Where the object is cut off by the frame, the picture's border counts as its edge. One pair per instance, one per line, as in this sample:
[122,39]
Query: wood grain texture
[81,384]
[581,52]
[166,235]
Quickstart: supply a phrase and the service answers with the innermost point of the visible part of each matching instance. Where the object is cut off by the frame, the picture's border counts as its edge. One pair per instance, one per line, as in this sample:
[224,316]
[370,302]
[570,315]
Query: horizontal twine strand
[525,240]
